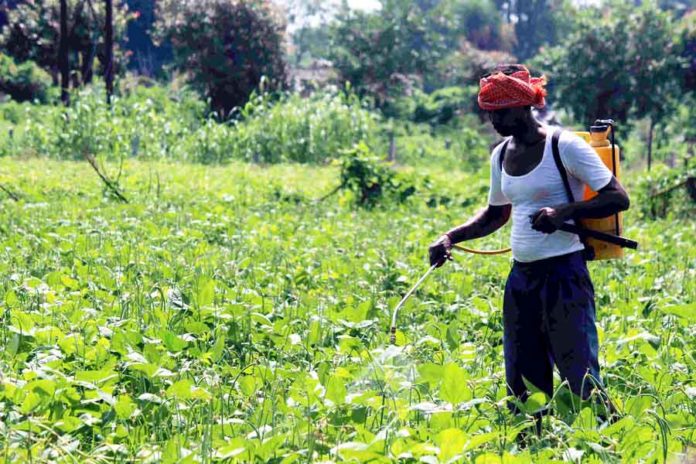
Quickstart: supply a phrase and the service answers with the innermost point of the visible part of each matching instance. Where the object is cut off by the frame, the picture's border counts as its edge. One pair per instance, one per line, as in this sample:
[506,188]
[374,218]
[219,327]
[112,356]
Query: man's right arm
[485,222]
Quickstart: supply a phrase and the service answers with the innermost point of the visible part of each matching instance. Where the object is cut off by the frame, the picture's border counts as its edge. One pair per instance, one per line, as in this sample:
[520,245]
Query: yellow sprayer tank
[598,138]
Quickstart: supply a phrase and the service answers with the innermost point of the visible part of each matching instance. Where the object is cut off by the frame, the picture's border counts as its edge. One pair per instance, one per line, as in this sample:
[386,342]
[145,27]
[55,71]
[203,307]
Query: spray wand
[392,330]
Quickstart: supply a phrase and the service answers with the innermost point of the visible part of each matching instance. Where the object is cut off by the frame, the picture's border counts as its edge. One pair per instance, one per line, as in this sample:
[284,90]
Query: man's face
[507,121]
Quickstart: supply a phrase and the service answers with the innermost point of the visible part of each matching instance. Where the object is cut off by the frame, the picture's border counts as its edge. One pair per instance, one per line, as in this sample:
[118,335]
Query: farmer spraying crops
[548,307]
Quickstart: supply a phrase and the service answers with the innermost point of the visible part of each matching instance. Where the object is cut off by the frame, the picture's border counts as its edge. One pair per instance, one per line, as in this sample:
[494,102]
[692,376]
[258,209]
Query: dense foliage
[620,65]
[153,123]
[24,81]
[370,179]
[223,316]
[227,46]
[668,193]
[383,55]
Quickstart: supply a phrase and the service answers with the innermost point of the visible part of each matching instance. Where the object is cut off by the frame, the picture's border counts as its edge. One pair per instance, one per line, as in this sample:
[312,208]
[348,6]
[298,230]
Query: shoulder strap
[589,251]
[501,157]
[559,164]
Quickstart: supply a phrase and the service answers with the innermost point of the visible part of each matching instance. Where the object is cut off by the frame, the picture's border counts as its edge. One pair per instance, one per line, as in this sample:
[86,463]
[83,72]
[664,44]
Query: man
[548,306]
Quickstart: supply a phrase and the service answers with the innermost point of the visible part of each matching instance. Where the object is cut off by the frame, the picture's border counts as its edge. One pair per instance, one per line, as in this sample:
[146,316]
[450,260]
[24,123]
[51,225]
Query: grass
[224,316]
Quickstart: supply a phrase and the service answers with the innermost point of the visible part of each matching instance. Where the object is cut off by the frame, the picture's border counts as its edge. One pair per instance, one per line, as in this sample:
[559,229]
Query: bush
[25,81]
[312,130]
[147,123]
[441,106]
[463,144]
[156,123]
[370,179]
[226,46]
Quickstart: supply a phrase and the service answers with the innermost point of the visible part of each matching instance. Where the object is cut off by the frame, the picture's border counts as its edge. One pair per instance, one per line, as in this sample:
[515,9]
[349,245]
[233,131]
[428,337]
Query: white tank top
[542,187]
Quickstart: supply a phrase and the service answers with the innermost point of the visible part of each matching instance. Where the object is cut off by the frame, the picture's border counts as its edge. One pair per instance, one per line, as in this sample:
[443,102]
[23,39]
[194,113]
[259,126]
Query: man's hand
[548,220]
[440,251]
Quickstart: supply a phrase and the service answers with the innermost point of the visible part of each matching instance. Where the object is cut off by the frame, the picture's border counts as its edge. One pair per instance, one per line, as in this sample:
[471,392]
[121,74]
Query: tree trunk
[392,147]
[650,141]
[87,66]
[63,62]
[109,43]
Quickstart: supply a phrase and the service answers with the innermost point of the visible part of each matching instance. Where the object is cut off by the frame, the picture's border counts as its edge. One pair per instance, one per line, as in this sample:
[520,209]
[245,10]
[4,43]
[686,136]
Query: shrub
[463,144]
[441,106]
[157,123]
[370,179]
[24,81]
[147,123]
[226,46]
[312,130]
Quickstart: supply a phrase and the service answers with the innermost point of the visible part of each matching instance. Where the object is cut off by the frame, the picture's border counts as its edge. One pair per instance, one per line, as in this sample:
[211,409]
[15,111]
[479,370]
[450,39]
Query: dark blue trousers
[549,318]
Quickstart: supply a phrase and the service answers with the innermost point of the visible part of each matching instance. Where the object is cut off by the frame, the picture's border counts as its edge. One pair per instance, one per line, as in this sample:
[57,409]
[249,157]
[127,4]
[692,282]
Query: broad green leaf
[451,443]
[636,405]
[685,311]
[31,402]
[480,440]
[430,373]
[535,402]
[336,390]
[21,323]
[173,342]
[180,390]
[68,424]
[44,387]
[125,407]
[96,377]
[454,388]
[206,292]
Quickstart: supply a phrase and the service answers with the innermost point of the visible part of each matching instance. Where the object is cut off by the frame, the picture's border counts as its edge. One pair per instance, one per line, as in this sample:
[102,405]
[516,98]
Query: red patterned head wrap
[500,90]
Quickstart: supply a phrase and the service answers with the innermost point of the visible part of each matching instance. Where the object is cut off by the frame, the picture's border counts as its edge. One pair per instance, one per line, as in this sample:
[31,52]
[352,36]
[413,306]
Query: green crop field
[224,315]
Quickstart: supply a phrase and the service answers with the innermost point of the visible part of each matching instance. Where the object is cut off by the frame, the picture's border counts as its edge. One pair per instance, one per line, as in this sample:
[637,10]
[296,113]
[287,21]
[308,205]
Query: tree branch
[92,162]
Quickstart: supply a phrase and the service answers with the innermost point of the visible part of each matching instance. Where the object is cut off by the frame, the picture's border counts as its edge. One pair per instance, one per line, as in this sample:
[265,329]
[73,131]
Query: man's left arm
[609,200]
[581,161]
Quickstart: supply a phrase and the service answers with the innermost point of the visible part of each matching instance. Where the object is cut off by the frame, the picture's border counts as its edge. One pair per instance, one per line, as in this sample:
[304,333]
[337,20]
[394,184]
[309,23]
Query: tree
[479,22]
[33,32]
[655,68]
[109,49]
[63,58]
[5,6]
[226,46]
[384,53]
[145,58]
[686,41]
[537,23]
[307,29]
[591,80]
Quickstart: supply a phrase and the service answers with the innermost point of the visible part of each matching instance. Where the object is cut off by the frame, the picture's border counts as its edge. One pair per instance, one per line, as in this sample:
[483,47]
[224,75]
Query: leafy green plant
[303,130]
[440,106]
[228,320]
[157,123]
[370,179]
[25,81]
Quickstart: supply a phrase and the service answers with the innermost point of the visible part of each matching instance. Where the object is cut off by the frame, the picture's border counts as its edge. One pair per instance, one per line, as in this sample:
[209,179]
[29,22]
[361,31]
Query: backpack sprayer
[602,235]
